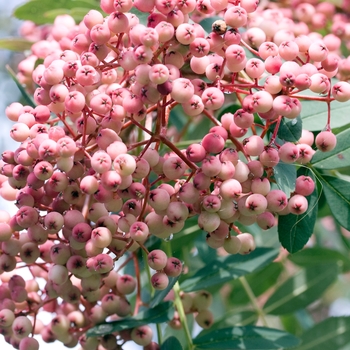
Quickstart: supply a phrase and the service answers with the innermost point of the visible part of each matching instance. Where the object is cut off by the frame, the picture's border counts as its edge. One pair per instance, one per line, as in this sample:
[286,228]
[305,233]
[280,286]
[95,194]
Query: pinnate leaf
[314,115]
[295,230]
[161,313]
[332,333]
[44,11]
[161,294]
[313,256]
[301,289]
[171,343]
[248,337]
[259,281]
[285,176]
[29,100]
[337,192]
[289,130]
[224,269]
[15,44]
[234,318]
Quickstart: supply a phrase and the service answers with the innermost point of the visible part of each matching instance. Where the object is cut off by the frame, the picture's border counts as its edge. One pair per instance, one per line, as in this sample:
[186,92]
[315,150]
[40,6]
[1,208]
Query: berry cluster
[98,171]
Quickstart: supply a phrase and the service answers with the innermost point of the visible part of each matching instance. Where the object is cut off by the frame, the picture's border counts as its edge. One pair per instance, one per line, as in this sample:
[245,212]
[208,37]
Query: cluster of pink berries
[98,172]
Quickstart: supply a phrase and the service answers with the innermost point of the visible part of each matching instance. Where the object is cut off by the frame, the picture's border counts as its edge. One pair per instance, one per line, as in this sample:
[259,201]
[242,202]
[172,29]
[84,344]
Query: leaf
[337,193]
[338,158]
[313,256]
[301,289]
[171,343]
[291,324]
[289,130]
[297,322]
[249,337]
[52,14]
[229,109]
[142,16]
[259,281]
[161,294]
[332,333]
[295,230]
[234,318]
[15,44]
[161,313]
[285,176]
[42,11]
[314,114]
[224,269]
[29,100]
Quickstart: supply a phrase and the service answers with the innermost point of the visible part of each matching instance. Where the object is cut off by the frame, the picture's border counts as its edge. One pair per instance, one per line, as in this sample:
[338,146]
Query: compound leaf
[285,176]
[248,337]
[15,44]
[44,11]
[332,333]
[224,269]
[316,255]
[314,115]
[302,289]
[337,192]
[289,130]
[171,343]
[161,313]
[295,230]
[161,294]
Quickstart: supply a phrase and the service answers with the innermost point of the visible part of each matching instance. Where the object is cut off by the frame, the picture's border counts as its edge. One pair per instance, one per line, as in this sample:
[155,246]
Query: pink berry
[298,204]
[325,141]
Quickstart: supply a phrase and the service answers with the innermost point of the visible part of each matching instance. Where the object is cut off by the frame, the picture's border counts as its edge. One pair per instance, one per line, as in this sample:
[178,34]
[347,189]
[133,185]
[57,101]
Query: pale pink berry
[289,152]
[276,200]
[297,204]
[304,185]
[247,243]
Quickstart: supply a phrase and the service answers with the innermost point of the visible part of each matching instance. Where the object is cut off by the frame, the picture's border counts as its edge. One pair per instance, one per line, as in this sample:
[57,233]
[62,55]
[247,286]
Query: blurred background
[9,92]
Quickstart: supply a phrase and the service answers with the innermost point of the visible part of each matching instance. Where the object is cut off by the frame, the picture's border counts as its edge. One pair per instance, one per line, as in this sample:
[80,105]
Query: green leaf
[313,256]
[161,294]
[291,324]
[29,100]
[289,130]
[142,16]
[301,289]
[332,333]
[249,338]
[295,230]
[314,114]
[234,318]
[43,11]
[259,281]
[297,322]
[338,158]
[337,193]
[171,343]
[52,14]
[285,176]
[38,62]
[15,44]
[161,313]
[229,109]
[224,269]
